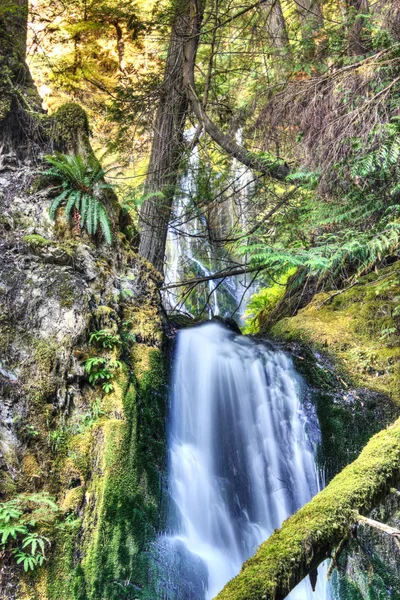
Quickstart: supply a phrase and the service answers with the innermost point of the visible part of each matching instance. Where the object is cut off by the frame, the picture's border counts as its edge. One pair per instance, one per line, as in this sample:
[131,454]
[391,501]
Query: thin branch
[232,272]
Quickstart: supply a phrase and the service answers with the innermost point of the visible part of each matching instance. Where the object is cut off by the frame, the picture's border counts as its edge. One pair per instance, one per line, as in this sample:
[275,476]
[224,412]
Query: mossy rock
[71,129]
[36,241]
[352,328]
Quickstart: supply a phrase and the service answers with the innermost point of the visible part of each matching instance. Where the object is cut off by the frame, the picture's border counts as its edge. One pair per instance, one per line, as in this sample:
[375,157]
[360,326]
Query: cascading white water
[186,253]
[240,460]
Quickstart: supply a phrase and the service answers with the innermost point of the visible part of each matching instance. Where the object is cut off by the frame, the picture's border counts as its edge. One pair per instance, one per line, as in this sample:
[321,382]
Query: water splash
[240,458]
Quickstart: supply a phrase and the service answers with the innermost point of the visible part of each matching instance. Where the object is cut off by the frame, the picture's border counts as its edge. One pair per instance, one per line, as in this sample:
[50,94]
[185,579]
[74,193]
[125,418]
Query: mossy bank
[346,343]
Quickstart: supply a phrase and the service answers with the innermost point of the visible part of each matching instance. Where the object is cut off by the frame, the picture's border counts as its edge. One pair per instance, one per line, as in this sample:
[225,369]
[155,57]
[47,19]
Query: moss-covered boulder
[358,327]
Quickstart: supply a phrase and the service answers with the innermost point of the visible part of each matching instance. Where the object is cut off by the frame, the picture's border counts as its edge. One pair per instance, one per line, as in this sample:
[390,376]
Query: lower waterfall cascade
[240,458]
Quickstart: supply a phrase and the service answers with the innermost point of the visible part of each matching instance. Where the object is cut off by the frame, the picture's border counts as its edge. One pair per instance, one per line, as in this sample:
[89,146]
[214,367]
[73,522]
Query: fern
[80,183]
[18,518]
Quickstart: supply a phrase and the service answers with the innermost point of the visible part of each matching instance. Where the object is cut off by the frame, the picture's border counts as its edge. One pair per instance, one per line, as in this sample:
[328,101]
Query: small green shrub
[263,302]
[22,520]
[105,339]
[80,182]
[98,369]
[88,418]
[58,439]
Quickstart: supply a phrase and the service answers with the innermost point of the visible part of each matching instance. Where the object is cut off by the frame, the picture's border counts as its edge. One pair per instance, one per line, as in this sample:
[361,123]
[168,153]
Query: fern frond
[70,204]
[105,224]
[76,173]
[57,203]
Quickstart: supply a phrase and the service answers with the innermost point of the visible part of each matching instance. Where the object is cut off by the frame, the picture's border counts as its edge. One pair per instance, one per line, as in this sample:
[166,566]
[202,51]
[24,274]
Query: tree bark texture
[276,25]
[167,147]
[18,95]
[358,38]
[310,15]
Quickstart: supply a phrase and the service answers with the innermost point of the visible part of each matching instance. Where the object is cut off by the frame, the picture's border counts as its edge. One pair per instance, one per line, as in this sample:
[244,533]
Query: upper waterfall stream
[240,459]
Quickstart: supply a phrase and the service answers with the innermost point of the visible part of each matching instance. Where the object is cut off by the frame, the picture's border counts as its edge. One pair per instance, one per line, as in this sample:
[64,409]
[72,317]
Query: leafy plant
[18,519]
[264,301]
[58,439]
[98,369]
[388,332]
[105,339]
[89,417]
[80,182]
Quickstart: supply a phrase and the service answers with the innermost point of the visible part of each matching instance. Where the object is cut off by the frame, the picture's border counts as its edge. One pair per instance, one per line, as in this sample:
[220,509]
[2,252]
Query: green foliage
[263,302]
[88,418]
[30,431]
[105,339]
[80,182]
[99,370]
[58,439]
[22,520]
[346,235]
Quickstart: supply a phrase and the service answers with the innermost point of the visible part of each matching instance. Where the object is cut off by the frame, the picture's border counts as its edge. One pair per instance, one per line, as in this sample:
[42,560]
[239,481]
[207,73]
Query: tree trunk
[308,537]
[358,37]
[310,15]
[18,94]
[120,47]
[13,35]
[311,21]
[167,148]
[276,25]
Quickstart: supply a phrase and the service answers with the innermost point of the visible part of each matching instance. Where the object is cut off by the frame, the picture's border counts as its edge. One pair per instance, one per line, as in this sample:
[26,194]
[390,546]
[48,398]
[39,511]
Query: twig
[392,531]
[337,294]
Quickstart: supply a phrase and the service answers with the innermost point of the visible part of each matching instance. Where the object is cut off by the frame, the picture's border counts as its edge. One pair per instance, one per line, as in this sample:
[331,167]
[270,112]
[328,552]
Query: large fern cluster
[80,182]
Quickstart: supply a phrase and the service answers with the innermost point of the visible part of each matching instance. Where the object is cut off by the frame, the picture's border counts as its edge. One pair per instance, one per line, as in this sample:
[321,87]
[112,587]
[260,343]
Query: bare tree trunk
[13,36]
[311,21]
[120,47]
[168,146]
[276,25]
[310,15]
[358,37]
[18,94]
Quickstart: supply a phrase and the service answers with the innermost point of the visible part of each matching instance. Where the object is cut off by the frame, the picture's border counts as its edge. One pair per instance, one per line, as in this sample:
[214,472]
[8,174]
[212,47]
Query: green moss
[73,499]
[351,329]
[123,492]
[36,241]
[41,382]
[128,514]
[71,129]
[321,524]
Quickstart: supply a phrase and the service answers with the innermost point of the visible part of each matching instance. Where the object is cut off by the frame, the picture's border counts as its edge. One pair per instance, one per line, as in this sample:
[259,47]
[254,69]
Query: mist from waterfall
[240,458]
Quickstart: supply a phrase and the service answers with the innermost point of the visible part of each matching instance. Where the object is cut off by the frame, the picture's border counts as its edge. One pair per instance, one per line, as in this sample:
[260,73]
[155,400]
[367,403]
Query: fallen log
[308,537]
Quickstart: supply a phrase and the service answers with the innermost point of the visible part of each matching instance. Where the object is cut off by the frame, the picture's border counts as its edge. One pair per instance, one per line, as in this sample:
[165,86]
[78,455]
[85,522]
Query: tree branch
[275,169]
[230,272]
[382,527]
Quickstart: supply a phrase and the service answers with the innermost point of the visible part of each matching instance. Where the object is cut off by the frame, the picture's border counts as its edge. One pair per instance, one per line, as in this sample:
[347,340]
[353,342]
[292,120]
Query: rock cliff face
[97,447]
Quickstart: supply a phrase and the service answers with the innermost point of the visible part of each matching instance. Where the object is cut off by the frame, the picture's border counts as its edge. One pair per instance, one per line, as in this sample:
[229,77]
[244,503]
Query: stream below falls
[241,460]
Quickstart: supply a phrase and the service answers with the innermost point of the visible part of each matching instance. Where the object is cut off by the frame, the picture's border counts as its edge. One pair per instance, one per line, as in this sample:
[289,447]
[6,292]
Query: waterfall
[190,249]
[240,458]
